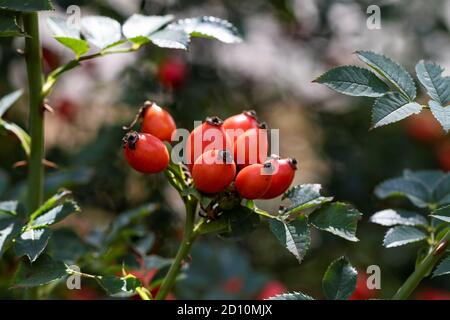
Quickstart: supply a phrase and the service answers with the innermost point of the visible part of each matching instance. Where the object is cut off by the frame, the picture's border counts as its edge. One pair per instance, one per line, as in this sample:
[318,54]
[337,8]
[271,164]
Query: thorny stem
[423,269]
[53,76]
[33,56]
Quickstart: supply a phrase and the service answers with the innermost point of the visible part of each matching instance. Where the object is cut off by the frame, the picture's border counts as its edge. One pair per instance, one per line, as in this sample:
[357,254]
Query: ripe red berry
[254,180]
[209,136]
[282,177]
[213,171]
[251,147]
[172,73]
[424,127]
[157,122]
[239,123]
[145,153]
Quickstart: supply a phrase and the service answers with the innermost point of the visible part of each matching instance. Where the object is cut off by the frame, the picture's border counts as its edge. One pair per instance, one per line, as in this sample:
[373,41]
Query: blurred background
[287,44]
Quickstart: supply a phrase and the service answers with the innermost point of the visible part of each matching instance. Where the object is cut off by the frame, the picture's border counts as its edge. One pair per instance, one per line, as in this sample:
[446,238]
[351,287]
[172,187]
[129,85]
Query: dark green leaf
[32,243]
[304,197]
[9,207]
[8,25]
[401,187]
[241,221]
[9,228]
[23,137]
[252,206]
[442,214]
[138,27]
[441,193]
[208,27]
[442,268]
[119,287]
[204,200]
[78,46]
[56,214]
[394,73]
[430,179]
[390,217]
[156,262]
[430,75]
[291,296]
[26,5]
[145,244]
[353,81]
[43,271]
[338,218]
[294,235]
[101,31]
[392,107]
[7,101]
[54,201]
[339,281]
[65,245]
[170,38]
[442,114]
[399,236]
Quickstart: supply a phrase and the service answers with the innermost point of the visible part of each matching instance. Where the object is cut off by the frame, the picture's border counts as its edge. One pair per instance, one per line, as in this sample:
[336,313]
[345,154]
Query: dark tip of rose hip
[148,104]
[215,121]
[250,113]
[268,167]
[225,156]
[263,125]
[293,163]
[130,140]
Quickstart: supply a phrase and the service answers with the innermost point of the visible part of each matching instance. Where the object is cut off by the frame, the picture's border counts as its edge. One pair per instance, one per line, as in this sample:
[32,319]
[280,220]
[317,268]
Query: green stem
[183,251]
[423,269]
[33,55]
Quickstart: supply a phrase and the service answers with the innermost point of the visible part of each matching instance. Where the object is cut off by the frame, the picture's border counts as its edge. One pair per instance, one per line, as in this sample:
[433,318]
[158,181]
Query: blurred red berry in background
[443,155]
[424,127]
[85,293]
[362,292]
[172,73]
[66,109]
[233,285]
[270,289]
[50,60]
[433,294]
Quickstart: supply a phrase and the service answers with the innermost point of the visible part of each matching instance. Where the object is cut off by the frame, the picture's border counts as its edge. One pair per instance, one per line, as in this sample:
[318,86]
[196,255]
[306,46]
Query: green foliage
[32,242]
[302,197]
[437,86]
[101,31]
[441,113]
[138,27]
[339,281]
[26,5]
[442,214]
[119,286]
[391,217]
[9,207]
[9,228]
[391,108]
[291,296]
[7,101]
[401,235]
[294,235]
[9,26]
[353,81]
[67,36]
[338,218]
[443,267]
[42,271]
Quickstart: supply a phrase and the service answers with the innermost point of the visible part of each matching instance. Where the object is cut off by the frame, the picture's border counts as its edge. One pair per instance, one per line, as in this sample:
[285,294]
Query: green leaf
[339,281]
[65,245]
[442,214]
[294,235]
[391,108]
[101,31]
[442,114]
[208,27]
[442,268]
[252,206]
[302,197]
[170,38]
[204,200]
[156,262]
[399,236]
[240,220]
[8,25]
[390,217]
[50,203]
[291,296]
[144,245]
[430,179]
[126,218]
[32,243]
[61,28]
[430,75]
[394,73]
[337,218]
[401,187]
[7,101]
[9,207]
[24,138]
[78,46]
[26,5]
[9,228]
[119,287]
[139,27]
[353,81]
[56,214]
[43,271]
[441,193]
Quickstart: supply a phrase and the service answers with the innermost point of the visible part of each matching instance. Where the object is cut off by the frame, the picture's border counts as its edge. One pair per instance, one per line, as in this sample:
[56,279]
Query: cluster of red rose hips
[217,153]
